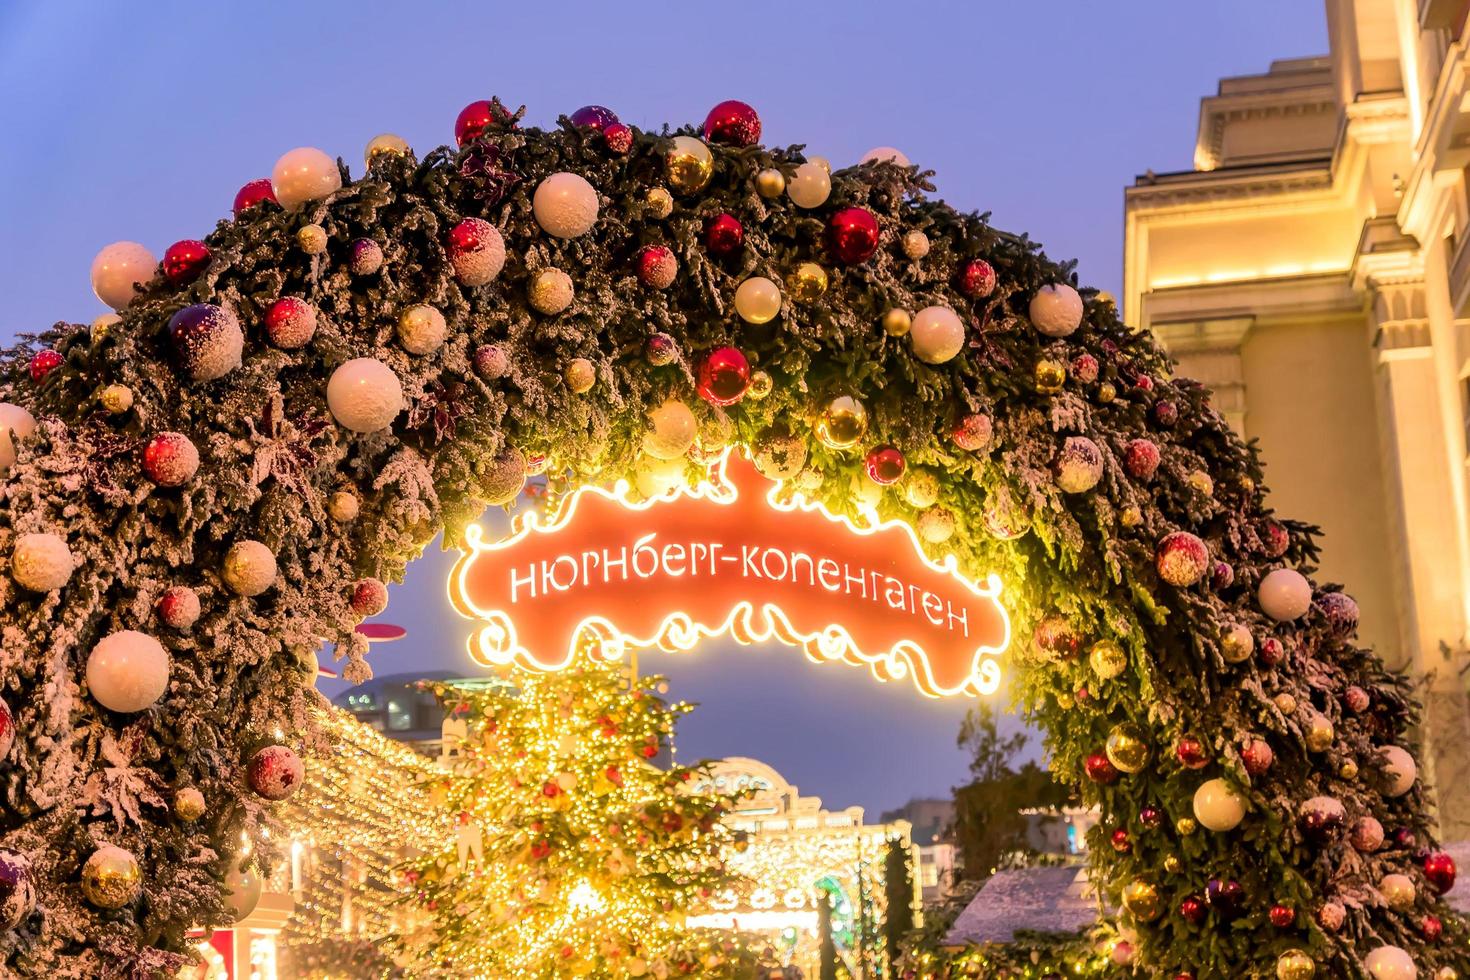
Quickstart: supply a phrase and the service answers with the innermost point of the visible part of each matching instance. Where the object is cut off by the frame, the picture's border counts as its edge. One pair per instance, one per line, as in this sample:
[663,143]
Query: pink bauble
[1142,459]
[476,250]
[290,322]
[1367,835]
[1257,756]
[972,432]
[170,459]
[275,772]
[369,597]
[365,257]
[178,607]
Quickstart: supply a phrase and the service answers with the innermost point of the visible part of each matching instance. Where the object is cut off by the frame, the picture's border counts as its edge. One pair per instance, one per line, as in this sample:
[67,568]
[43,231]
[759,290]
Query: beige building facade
[1314,269]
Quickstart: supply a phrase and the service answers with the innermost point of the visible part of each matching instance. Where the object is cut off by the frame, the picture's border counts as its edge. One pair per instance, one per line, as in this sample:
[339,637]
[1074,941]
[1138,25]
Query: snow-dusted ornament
[15,423]
[422,329]
[1079,465]
[290,323]
[364,395]
[170,459]
[1399,770]
[565,205]
[1237,643]
[1284,594]
[937,334]
[476,251]
[116,270]
[551,291]
[41,562]
[915,245]
[178,607]
[369,597]
[343,506]
[17,889]
[127,671]
[671,430]
[304,174]
[207,341]
[111,878]
[580,375]
[275,772]
[189,804]
[1056,310]
[116,399]
[249,568]
[365,257]
[503,478]
[1182,558]
[936,525]
[779,455]
[492,362]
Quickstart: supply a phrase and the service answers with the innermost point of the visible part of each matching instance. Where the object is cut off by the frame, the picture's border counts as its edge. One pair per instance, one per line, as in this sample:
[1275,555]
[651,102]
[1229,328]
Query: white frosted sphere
[1398,891]
[551,291]
[810,186]
[758,300]
[1400,770]
[1217,806]
[1390,963]
[1056,310]
[41,562]
[364,395]
[15,423]
[304,174]
[421,329]
[890,153]
[671,430]
[242,890]
[565,205]
[1284,594]
[936,525]
[249,568]
[937,334]
[127,671]
[117,267]
[481,264]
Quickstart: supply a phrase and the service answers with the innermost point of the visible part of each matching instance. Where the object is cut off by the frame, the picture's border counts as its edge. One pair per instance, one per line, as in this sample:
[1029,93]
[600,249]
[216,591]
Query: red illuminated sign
[728,556]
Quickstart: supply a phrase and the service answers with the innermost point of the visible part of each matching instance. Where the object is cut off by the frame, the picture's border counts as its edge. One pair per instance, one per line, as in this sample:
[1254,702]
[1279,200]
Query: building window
[400,718]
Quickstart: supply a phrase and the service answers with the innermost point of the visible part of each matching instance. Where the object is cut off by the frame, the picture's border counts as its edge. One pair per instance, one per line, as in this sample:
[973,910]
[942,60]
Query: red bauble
[275,772]
[1191,753]
[254,194]
[1431,927]
[1193,910]
[1225,896]
[365,257]
[1283,916]
[885,465]
[1274,538]
[660,350]
[1356,699]
[724,235]
[656,266]
[1150,816]
[549,789]
[1099,769]
[976,279]
[43,362]
[972,432]
[1055,638]
[1120,841]
[207,341]
[369,597]
[1257,756]
[473,120]
[290,322]
[1141,459]
[170,459]
[618,137]
[1272,651]
[1085,368]
[7,730]
[852,235]
[724,375]
[178,607]
[184,261]
[1182,559]
[596,117]
[732,123]
[1440,870]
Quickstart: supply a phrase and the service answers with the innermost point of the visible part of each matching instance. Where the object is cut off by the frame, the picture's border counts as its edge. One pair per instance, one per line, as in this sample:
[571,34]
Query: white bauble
[1284,594]
[758,300]
[810,186]
[935,525]
[1390,963]
[1398,891]
[304,174]
[364,395]
[565,205]
[117,268]
[889,153]
[937,334]
[15,423]
[242,890]
[671,430]
[1056,310]
[127,671]
[249,568]
[657,477]
[1237,644]
[41,562]
[1217,806]
[551,291]
[421,329]
[1400,771]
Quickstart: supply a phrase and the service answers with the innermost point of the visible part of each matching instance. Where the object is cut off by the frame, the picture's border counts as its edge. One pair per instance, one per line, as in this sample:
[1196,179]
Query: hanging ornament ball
[1191,753]
[1225,896]
[551,291]
[369,597]
[127,671]
[1141,459]
[1128,748]
[937,334]
[976,279]
[178,607]
[656,477]
[304,174]
[102,325]
[252,195]
[492,362]
[1217,806]
[779,455]
[118,268]
[502,479]
[1107,659]
[1079,465]
[758,300]
[565,205]
[1284,594]
[364,395]
[1341,612]
[1398,891]
[810,186]
[852,235]
[343,506]
[170,459]
[724,375]
[17,889]
[275,772]
[580,375]
[672,430]
[249,568]
[184,261]
[365,257]
[476,251]
[594,117]
[733,124]
[473,120]
[689,165]
[1193,910]
[1050,375]
[290,322]
[1181,558]
[1142,900]
[1321,819]
[915,244]
[921,489]
[660,349]
[15,423]
[242,890]
[897,322]
[111,878]
[1056,310]
[659,201]
[1390,963]
[770,183]
[656,266]
[936,525]
[724,235]
[312,239]
[1331,916]
[1085,367]
[885,465]
[207,341]
[1099,769]
[1439,868]
[1320,733]
[41,562]
[972,432]
[1399,770]
[1295,964]
[760,385]
[189,804]
[43,362]
[843,423]
[382,148]
[1256,755]
[422,329]
[808,283]
[7,733]
[886,154]
[618,137]
[1237,643]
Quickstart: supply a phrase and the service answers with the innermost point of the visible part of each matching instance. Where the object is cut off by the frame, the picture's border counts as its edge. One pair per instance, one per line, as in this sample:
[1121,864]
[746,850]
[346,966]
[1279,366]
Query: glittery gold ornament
[1200,481]
[580,375]
[249,568]
[1285,703]
[1106,392]
[102,325]
[1172,864]
[189,804]
[920,488]
[842,423]
[1131,516]
[660,202]
[551,291]
[1142,900]
[111,877]
[896,322]
[1348,770]
[312,239]
[760,385]
[1050,376]
[116,399]
[916,245]
[1185,826]
[690,165]
[384,146]
[1295,965]
[1320,734]
[770,183]
[808,283]
[1107,659]
[1127,747]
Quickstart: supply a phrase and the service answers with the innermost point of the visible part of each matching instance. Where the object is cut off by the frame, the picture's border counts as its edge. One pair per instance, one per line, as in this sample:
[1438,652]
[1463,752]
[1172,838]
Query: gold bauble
[1200,481]
[896,322]
[312,239]
[1320,734]
[690,165]
[343,506]
[1142,900]
[551,291]
[1286,704]
[920,488]
[581,375]
[1185,826]
[660,202]
[1131,516]
[1172,864]
[1050,376]
[1127,747]
[116,399]
[760,385]
[843,423]
[808,283]
[188,804]
[1108,659]
[111,877]
[770,183]
[1295,965]
[384,146]
[103,324]
[1106,392]
[1447,973]
[1348,770]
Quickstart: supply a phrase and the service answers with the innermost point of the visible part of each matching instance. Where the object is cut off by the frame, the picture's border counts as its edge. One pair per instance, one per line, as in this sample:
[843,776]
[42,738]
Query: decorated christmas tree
[578,850]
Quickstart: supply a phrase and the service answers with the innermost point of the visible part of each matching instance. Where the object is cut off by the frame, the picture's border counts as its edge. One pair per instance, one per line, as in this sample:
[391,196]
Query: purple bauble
[1341,612]
[597,117]
[17,889]
[1225,897]
[207,341]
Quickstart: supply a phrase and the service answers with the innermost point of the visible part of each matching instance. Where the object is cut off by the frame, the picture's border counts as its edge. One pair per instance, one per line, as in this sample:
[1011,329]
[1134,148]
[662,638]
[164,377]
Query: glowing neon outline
[496,645]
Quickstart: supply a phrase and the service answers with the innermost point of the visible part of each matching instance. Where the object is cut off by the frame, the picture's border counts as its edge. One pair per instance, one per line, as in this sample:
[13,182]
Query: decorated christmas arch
[206,487]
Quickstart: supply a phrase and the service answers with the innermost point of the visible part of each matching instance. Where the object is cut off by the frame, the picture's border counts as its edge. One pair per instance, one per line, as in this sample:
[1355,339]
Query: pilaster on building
[1314,269]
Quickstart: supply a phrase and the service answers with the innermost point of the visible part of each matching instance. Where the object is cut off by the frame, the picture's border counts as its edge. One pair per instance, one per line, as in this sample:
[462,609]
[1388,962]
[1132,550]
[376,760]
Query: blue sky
[139,121]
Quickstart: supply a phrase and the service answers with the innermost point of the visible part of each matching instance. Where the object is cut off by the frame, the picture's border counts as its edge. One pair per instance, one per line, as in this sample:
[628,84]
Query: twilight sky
[139,121]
